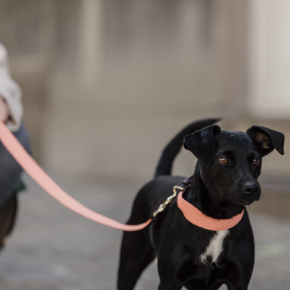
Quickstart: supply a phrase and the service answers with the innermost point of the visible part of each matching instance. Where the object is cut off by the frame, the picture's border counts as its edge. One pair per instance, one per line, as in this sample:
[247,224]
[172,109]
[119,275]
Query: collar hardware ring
[162,206]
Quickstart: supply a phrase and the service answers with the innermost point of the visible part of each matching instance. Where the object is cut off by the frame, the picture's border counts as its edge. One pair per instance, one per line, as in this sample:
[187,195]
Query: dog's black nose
[251,187]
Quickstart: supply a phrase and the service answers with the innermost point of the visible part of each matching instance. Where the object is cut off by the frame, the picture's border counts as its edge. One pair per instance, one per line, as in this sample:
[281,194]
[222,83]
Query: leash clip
[162,206]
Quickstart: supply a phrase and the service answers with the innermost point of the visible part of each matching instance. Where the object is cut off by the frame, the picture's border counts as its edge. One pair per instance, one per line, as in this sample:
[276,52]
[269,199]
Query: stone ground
[53,248]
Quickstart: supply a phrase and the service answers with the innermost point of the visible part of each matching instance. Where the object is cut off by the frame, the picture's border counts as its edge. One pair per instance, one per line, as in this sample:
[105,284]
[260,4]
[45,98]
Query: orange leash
[38,174]
[191,213]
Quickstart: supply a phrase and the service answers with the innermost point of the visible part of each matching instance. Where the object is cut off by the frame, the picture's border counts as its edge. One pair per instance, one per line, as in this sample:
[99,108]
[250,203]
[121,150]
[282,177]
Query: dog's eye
[223,160]
[256,161]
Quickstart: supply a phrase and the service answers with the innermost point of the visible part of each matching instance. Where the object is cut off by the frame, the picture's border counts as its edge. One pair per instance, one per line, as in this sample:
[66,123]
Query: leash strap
[191,213]
[38,174]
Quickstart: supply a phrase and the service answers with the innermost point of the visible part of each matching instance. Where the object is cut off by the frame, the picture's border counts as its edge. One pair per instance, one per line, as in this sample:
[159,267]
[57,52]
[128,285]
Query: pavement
[53,248]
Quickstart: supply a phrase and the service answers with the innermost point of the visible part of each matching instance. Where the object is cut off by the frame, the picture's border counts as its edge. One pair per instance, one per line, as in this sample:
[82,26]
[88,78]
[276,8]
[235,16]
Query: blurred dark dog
[224,182]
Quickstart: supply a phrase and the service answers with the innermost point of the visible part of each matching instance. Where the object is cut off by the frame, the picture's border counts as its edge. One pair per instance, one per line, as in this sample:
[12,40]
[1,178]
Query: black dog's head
[230,162]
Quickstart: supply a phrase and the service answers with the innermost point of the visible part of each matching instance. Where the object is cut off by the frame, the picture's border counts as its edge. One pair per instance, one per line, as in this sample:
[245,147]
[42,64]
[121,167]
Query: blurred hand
[4,111]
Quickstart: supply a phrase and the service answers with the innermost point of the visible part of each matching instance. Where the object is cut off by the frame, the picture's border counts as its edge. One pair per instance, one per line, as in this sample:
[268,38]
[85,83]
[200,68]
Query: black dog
[224,182]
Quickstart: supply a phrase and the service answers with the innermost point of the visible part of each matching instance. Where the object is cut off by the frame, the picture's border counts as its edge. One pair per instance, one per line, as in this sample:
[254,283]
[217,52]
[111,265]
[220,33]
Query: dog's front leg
[237,287]
[238,283]
[169,286]
[238,270]
[168,274]
[173,273]
[237,276]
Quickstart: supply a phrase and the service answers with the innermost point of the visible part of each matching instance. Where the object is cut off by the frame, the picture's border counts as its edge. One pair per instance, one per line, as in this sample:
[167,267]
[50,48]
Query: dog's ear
[267,139]
[202,144]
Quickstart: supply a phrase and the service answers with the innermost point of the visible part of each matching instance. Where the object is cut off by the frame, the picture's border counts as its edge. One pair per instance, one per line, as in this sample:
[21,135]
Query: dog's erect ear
[202,144]
[267,139]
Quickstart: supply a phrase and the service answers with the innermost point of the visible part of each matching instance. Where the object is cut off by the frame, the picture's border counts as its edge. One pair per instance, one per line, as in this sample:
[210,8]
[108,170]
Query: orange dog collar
[196,217]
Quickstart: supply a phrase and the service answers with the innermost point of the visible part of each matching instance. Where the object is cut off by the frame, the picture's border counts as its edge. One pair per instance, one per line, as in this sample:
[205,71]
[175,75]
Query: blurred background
[106,84]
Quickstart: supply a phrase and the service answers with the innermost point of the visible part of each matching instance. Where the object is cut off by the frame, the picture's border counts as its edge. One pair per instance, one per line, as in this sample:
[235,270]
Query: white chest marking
[215,246]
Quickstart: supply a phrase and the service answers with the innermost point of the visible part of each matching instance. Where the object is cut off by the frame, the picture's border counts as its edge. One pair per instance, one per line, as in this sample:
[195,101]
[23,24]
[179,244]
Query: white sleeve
[10,91]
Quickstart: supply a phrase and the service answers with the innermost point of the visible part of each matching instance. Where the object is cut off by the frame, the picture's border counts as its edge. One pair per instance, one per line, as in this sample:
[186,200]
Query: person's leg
[8,213]
[10,170]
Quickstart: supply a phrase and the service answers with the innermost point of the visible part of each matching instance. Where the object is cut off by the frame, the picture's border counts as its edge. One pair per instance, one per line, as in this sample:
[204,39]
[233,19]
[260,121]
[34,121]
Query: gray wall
[107,83]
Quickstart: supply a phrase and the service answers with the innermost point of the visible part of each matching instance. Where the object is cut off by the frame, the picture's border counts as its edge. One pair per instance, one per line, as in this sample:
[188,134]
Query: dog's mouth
[240,198]
[246,200]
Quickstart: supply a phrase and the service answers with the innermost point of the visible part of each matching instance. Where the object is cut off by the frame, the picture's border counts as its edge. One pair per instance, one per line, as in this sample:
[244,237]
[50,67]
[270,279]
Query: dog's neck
[208,202]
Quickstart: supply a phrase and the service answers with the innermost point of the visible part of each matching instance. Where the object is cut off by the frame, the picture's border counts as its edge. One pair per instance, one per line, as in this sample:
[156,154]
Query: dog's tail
[173,147]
